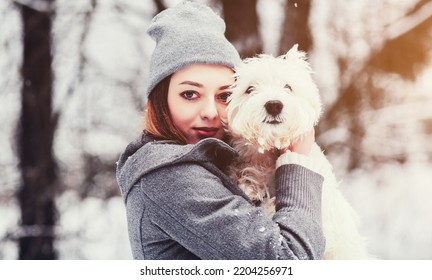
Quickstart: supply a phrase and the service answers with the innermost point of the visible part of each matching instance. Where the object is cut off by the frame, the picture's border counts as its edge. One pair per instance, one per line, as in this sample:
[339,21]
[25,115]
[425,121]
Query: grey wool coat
[181,205]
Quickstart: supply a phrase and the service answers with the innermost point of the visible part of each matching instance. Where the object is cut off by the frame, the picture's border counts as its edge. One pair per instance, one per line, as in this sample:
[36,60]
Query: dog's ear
[297,56]
[293,49]
[294,54]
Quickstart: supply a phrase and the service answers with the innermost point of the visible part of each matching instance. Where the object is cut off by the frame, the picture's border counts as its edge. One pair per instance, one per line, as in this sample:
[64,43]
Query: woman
[180,204]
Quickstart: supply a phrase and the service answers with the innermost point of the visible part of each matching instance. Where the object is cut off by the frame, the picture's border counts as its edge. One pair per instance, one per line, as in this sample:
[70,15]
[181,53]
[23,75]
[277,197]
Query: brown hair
[157,118]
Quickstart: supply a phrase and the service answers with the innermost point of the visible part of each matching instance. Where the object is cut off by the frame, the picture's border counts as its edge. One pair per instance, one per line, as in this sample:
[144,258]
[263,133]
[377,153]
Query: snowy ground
[89,229]
[393,202]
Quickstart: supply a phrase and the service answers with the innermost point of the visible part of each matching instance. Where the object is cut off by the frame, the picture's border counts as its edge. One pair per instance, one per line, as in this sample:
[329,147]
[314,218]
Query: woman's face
[197,97]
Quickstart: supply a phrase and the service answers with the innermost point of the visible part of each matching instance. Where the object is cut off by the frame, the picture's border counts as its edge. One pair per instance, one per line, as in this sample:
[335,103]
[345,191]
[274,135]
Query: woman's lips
[206,131]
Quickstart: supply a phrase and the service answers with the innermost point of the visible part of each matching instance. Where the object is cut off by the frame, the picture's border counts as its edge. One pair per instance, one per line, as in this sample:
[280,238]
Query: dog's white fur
[257,134]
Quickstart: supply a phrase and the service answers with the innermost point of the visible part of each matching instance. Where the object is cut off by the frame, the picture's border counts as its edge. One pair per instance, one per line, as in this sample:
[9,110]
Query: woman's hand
[303,145]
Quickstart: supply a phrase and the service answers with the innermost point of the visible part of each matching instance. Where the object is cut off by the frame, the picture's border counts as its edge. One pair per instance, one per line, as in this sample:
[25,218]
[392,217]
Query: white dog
[274,102]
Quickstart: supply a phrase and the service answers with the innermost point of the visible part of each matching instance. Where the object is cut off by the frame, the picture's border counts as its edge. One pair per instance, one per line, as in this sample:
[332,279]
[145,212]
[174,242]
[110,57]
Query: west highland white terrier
[274,102]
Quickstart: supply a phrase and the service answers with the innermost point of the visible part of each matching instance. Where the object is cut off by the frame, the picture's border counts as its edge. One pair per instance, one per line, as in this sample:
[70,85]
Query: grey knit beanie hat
[189,33]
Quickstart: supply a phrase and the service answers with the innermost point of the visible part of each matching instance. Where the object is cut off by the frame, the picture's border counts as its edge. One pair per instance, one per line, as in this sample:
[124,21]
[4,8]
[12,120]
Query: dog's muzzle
[273,107]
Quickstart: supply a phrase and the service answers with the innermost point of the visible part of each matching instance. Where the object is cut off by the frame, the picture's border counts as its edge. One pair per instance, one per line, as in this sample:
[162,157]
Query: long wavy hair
[157,117]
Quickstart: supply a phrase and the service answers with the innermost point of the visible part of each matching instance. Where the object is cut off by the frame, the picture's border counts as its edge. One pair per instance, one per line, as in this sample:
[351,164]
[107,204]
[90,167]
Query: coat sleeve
[191,205]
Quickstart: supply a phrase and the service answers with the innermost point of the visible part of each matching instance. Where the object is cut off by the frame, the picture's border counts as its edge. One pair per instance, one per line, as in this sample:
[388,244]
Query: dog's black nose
[273,107]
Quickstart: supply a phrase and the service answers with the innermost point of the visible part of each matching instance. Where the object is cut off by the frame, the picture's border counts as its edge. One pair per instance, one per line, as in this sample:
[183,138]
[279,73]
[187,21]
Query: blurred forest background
[72,82]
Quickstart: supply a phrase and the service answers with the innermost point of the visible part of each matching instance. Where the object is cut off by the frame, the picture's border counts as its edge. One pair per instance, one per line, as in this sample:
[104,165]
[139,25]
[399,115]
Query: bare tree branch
[419,14]
[82,57]
[405,53]
[37,5]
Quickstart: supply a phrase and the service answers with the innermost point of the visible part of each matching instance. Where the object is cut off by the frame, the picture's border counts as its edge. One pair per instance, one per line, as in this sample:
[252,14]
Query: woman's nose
[209,110]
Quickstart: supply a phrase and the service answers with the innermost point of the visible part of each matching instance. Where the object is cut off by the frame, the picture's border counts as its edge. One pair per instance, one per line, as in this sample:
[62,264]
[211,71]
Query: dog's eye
[287,86]
[250,89]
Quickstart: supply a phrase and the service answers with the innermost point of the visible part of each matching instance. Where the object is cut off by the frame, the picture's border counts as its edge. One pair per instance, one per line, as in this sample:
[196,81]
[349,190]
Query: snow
[271,18]
[88,229]
[92,229]
[393,202]
[9,217]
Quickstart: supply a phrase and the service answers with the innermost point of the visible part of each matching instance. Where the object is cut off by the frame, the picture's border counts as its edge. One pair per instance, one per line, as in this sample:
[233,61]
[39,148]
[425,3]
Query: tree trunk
[160,6]
[295,29]
[242,23]
[36,194]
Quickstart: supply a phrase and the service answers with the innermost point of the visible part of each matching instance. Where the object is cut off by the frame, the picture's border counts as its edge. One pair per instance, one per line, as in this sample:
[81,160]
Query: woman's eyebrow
[195,84]
[225,87]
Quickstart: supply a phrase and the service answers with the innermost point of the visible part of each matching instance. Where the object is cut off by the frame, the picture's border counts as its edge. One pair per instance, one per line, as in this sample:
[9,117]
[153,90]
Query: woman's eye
[189,95]
[287,86]
[224,96]
[250,89]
